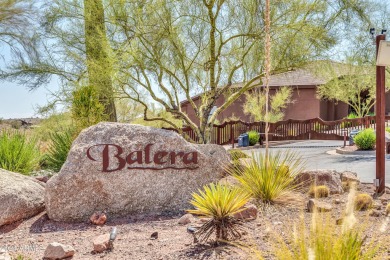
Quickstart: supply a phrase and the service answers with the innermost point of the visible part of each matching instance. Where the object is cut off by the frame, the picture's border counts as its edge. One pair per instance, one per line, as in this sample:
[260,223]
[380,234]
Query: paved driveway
[316,156]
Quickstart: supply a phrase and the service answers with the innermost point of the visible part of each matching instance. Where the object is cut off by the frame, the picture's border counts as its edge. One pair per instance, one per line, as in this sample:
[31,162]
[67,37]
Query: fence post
[218,135]
[231,134]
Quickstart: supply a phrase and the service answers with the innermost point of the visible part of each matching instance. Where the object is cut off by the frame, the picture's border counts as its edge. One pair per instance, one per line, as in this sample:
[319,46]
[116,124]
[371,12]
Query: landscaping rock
[101,243]
[130,170]
[58,251]
[349,177]
[249,213]
[186,219]
[4,254]
[330,178]
[228,181]
[375,213]
[98,218]
[320,206]
[245,162]
[154,236]
[20,197]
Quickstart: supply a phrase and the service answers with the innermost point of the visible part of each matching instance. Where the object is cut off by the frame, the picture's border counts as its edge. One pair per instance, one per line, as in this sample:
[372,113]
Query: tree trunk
[98,63]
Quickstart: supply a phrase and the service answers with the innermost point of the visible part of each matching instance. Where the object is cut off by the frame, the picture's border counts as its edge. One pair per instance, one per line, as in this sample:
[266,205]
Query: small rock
[318,205]
[98,218]
[248,213]
[58,251]
[375,213]
[337,201]
[349,177]
[4,254]
[377,206]
[101,243]
[43,179]
[185,219]
[154,235]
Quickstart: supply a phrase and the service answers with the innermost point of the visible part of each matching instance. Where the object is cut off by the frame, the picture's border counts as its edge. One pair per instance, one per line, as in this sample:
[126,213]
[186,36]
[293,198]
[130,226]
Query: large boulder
[330,178]
[126,169]
[20,197]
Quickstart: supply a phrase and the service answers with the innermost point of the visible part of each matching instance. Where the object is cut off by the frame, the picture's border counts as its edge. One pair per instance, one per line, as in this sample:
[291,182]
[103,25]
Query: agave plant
[219,203]
[269,179]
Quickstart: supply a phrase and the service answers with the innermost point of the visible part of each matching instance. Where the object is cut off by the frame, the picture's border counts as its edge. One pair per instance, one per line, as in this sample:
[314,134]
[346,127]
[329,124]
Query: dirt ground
[30,237]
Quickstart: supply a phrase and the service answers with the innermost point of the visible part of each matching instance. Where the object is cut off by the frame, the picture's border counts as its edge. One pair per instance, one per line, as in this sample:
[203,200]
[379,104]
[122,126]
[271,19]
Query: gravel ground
[30,237]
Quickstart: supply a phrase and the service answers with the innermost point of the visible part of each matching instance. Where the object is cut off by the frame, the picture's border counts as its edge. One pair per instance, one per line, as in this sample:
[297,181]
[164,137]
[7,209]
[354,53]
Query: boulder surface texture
[20,197]
[126,169]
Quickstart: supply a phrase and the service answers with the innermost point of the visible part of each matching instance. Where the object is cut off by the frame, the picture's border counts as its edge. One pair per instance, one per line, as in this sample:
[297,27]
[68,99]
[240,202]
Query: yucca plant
[58,149]
[18,153]
[272,179]
[219,203]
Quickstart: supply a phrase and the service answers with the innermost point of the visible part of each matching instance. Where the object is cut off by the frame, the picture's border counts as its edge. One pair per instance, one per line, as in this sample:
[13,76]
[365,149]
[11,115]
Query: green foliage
[319,191]
[58,149]
[363,201]
[59,122]
[86,108]
[255,105]
[18,153]
[270,180]
[387,129]
[254,137]
[365,140]
[219,203]
[352,116]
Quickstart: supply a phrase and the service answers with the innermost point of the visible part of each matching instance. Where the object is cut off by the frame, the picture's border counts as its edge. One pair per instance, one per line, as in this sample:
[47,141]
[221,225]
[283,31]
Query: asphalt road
[316,156]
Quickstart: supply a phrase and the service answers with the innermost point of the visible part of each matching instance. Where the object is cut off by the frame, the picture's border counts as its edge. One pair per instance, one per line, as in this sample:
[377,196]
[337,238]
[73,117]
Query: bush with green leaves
[18,153]
[219,203]
[254,137]
[365,140]
[58,149]
[269,179]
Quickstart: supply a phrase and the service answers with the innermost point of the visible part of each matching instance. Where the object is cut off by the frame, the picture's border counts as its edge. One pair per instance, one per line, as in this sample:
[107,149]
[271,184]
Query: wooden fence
[315,129]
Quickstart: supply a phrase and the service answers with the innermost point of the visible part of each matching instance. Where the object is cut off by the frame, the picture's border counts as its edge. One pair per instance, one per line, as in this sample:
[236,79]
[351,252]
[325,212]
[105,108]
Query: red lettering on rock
[173,155]
[193,159]
[159,156]
[138,159]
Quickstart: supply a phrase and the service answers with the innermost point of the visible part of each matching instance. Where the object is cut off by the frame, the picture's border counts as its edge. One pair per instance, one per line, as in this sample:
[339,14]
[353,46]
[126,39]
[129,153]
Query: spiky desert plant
[219,203]
[272,180]
[18,152]
[326,240]
[363,201]
[321,191]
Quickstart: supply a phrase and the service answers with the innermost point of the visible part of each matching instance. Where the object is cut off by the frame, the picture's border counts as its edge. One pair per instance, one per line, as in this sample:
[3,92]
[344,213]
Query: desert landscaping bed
[30,237]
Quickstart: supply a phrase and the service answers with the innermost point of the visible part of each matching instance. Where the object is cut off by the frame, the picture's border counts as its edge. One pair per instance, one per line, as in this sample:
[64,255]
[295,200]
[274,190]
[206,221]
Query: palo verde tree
[354,85]
[74,47]
[170,50]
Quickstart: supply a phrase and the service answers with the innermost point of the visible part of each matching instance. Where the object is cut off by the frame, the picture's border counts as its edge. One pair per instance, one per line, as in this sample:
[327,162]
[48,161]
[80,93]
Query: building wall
[305,105]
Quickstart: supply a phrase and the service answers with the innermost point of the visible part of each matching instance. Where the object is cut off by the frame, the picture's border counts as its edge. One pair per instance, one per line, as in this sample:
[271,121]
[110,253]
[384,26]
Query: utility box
[352,134]
[243,140]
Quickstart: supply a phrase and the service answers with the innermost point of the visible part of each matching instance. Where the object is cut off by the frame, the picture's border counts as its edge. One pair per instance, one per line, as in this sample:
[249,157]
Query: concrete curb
[341,151]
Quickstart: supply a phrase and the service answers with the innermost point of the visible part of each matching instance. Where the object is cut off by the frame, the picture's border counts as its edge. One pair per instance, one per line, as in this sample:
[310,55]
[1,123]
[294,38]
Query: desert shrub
[58,149]
[272,179]
[388,209]
[319,191]
[365,140]
[254,137]
[59,122]
[236,154]
[324,239]
[363,201]
[18,153]
[86,108]
[219,203]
